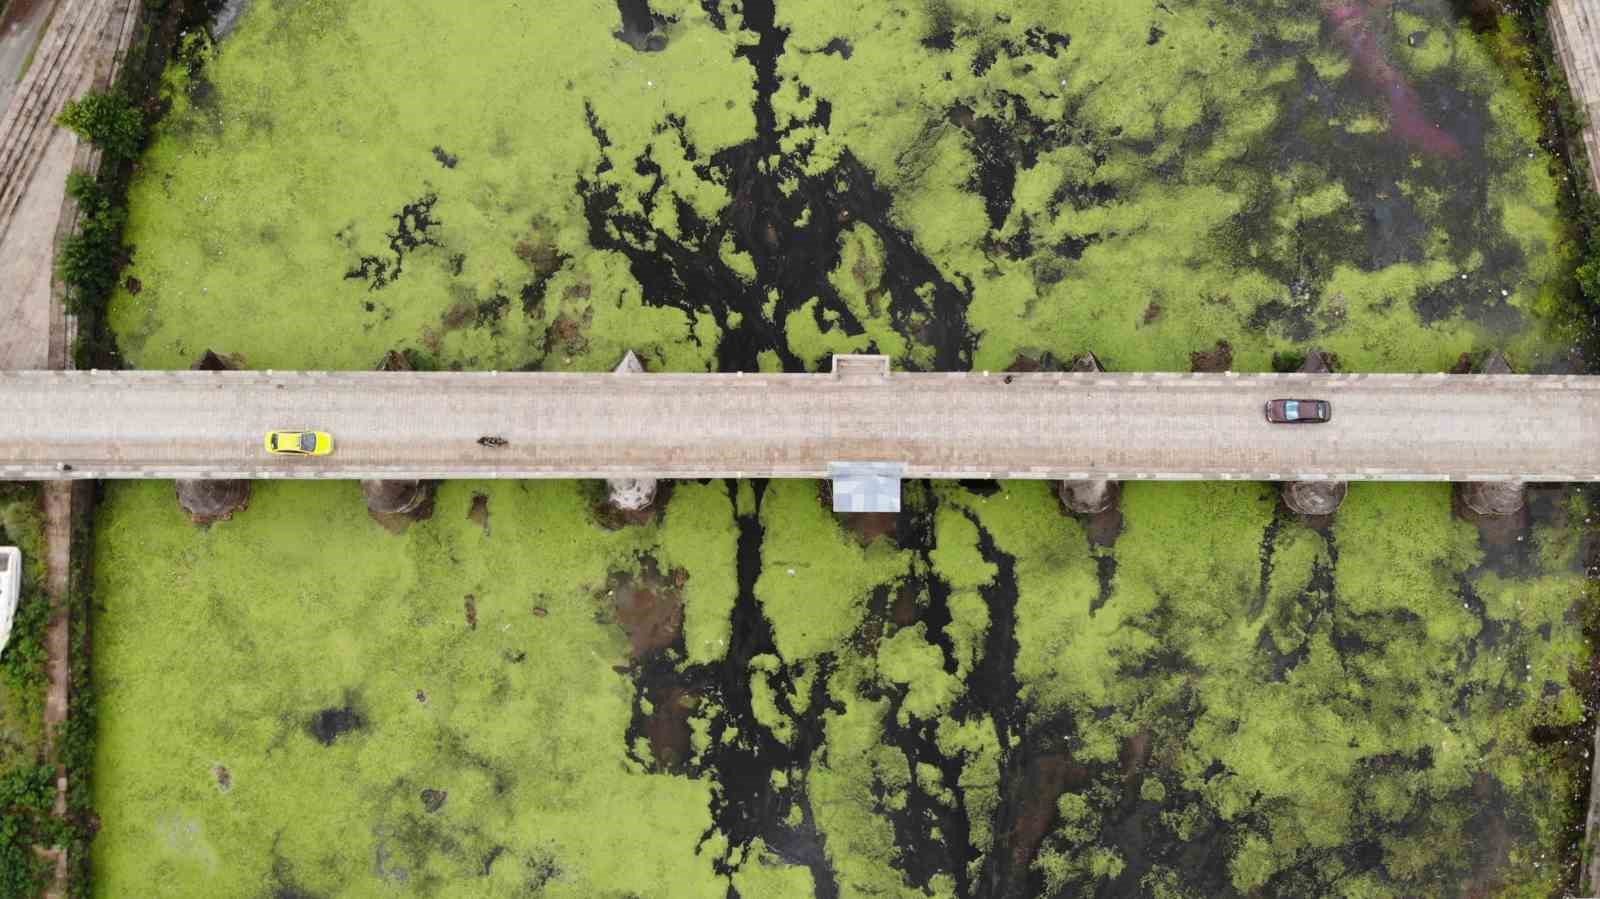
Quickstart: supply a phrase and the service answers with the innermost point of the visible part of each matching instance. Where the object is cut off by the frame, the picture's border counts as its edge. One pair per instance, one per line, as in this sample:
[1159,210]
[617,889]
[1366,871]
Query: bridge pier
[630,496]
[396,503]
[1314,499]
[208,502]
[1091,497]
[1493,499]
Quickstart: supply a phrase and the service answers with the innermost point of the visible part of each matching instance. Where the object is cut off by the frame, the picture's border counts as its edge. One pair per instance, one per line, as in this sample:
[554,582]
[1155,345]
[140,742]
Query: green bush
[26,795]
[90,259]
[109,121]
[1288,361]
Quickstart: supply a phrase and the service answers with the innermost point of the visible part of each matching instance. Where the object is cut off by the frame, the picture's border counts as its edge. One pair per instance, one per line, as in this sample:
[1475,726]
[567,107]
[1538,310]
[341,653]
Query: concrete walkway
[1575,29]
[1040,425]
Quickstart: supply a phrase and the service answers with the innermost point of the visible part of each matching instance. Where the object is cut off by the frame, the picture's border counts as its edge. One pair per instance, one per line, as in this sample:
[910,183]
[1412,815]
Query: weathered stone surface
[214,361]
[1496,364]
[631,494]
[1087,362]
[395,497]
[394,360]
[1089,497]
[630,365]
[208,502]
[1316,363]
[1216,360]
[1493,498]
[1314,498]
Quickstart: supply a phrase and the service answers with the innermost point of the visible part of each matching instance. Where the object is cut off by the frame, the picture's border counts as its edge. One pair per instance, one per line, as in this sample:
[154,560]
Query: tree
[107,120]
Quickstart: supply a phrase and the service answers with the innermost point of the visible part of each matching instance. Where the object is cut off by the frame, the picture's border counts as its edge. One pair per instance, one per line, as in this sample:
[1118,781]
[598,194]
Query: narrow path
[21,28]
[58,498]
[1575,31]
[82,46]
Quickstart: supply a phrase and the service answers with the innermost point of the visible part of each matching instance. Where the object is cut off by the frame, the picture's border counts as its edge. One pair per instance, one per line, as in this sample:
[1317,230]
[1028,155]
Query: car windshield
[1291,410]
[308,442]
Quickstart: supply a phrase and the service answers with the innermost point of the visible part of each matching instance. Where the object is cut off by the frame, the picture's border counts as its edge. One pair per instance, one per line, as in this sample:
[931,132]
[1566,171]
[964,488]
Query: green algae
[1174,132]
[253,633]
[765,873]
[908,659]
[846,790]
[815,579]
[691,539]
[268,181]
[1300,696]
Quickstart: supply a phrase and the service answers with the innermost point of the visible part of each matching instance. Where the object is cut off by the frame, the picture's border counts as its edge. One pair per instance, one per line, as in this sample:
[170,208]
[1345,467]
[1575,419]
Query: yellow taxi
[299,443]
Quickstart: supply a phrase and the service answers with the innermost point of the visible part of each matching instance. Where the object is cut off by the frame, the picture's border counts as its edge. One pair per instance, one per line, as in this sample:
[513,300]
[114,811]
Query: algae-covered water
[750,695]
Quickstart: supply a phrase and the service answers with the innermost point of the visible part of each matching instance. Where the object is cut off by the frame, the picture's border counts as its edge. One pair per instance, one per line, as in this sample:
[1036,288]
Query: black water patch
[641,27]
[994,689]
[1394,229]
[746,805]
[1050,43]
[983,60]
[1011,140]
[684,270]
[1381,174]
[1294,319]
[331,723]
[1482,295]
[919,855]
[838,47]
[1313,609]
[1083,195]
[980,487]
[448,160]
[713,10]
[491,313]
[943,41]
[922,811]
[1073,246]
[412,224]
[1105,568]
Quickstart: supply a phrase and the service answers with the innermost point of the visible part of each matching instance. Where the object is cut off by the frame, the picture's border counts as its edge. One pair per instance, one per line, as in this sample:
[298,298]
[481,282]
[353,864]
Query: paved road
[1045,425]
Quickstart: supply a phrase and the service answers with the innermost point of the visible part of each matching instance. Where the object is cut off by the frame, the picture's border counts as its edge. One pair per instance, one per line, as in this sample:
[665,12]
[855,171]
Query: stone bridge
[1069,426]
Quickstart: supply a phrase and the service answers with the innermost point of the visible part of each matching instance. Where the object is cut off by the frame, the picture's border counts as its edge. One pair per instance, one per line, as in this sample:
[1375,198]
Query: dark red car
[1293,412]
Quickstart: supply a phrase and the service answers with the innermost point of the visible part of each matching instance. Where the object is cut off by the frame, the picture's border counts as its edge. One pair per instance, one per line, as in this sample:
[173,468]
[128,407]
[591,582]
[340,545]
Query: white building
[10,590]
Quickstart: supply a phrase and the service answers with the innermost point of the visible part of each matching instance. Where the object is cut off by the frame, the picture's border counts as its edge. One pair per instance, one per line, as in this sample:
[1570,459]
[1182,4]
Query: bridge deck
[1042,425]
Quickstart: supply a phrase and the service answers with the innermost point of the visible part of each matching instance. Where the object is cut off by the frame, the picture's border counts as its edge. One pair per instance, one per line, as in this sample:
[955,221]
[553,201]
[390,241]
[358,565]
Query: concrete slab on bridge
[1062,426]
